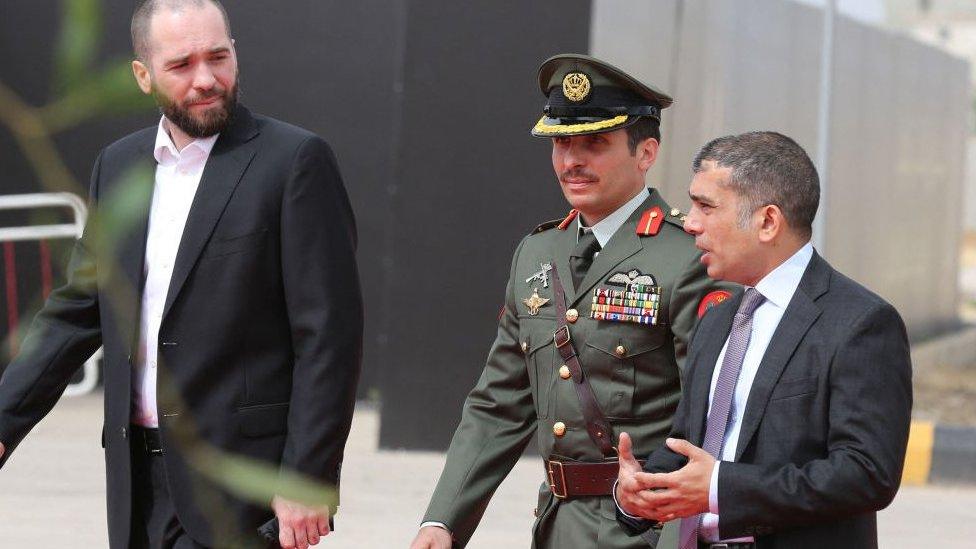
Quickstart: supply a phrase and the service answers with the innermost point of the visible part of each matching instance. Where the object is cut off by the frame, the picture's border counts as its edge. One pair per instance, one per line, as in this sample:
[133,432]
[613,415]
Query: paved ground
[52,494]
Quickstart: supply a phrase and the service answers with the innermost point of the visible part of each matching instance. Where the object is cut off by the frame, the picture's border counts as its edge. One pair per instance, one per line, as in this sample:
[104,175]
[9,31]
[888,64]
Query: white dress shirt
[178,175]
[609,225]
[778,287]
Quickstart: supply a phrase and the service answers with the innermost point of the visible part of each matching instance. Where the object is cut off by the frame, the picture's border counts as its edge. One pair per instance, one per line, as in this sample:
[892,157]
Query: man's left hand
[684,492]
[299,525]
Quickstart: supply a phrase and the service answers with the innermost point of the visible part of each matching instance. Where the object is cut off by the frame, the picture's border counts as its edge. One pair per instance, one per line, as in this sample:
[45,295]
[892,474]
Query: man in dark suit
[226,296]
[794,415]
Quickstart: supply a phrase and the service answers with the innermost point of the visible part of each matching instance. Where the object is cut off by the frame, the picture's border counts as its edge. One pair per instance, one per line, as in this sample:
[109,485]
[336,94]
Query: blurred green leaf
[259,482]
[78,42]
[122,209]
[113,90]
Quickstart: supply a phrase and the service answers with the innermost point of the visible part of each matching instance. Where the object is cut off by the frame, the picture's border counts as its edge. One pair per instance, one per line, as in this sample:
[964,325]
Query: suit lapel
[227,162]
[137,184]
[718,329]
[800,314]
[565,243]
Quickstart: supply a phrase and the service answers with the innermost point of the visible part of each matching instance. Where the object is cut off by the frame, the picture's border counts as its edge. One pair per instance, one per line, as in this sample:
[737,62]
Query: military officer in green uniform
[597,316]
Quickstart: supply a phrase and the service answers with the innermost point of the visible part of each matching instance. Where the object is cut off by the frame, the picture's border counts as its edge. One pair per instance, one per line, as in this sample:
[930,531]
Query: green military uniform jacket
[634,369]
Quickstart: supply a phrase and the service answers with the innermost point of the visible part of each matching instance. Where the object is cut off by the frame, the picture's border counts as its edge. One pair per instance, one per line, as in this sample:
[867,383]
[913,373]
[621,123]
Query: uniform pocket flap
[536,334]
[261,420]
[626,340]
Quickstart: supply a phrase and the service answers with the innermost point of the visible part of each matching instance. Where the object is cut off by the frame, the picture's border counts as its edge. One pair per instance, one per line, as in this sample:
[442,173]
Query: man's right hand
[432,537]
[630,481]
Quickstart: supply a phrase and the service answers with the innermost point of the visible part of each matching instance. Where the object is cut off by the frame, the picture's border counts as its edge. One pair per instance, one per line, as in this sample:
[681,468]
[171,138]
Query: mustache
[209,94]
[578,173]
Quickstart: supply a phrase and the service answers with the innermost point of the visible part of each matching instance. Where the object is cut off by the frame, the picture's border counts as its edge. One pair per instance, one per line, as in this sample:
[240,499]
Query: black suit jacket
[261,336]
[823,436]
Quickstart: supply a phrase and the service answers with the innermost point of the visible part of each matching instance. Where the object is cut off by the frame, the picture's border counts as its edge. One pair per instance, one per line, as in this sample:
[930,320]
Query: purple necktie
[718,416]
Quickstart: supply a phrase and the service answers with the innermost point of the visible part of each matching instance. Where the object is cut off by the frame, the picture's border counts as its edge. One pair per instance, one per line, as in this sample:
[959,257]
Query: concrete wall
[899,114]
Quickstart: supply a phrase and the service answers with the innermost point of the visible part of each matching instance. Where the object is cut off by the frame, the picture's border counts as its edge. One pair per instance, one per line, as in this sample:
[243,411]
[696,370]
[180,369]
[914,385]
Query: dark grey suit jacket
[823,437]
[261,335]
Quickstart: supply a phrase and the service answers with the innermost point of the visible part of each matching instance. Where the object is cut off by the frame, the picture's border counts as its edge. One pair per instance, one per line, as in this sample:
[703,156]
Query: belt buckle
[552,479]
[555,336]
[719,546]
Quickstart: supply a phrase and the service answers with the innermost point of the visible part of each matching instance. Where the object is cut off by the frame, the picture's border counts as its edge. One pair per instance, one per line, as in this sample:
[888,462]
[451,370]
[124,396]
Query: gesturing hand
[299,526]
[629,486]
[682,493]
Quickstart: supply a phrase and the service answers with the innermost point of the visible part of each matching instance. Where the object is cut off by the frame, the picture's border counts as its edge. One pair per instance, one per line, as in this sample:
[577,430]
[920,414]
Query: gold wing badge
[632,277]
[534,302]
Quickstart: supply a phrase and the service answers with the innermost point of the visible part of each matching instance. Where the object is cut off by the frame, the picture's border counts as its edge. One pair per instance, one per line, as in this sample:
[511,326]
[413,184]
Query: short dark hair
[143,16]
[767,168]
[644,128]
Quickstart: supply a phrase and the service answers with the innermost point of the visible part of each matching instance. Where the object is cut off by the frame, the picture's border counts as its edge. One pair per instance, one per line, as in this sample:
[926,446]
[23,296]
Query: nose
[573,156]
[203,78]
[692,225]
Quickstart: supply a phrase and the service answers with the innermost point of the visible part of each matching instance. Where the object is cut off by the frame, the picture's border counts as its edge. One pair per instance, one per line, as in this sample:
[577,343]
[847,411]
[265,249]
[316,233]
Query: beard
[210,122]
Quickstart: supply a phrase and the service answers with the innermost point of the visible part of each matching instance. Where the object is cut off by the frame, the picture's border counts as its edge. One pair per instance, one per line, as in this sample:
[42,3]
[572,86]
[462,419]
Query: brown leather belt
[568,479]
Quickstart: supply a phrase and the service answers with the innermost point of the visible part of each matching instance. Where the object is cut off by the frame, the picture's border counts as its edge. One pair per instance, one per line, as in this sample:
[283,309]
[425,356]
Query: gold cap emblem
[576,87]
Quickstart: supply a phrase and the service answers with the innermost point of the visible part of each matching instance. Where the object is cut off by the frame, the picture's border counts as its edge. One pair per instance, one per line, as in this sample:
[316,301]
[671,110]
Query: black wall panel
[471,182]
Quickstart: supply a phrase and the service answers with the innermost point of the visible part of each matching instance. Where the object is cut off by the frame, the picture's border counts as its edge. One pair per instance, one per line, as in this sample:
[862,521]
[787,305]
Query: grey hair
[768,168]
[144,14]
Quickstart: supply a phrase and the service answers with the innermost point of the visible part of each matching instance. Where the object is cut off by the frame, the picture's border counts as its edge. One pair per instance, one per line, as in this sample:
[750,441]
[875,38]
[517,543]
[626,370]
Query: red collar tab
[650,222]
[569,219]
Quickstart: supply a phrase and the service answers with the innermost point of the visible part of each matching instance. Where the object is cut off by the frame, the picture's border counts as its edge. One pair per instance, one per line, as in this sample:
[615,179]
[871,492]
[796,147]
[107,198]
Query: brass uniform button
[535,512]
[620,351]
[525,346]
[572,315]
[675,212]
[559,429]
[564,372]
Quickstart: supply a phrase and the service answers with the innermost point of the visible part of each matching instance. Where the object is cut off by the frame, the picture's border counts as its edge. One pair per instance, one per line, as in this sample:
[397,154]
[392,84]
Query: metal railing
[79,210]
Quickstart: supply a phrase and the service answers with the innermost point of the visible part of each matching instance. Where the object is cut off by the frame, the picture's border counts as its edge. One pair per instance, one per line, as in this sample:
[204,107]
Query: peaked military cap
[587,95]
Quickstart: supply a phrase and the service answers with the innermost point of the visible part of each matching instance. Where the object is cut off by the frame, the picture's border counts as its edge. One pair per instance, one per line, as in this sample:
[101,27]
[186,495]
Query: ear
[771,222]
[143,78]
[647,153]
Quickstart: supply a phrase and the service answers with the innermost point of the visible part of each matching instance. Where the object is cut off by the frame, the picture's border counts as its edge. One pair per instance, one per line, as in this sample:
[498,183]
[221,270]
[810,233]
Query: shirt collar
[611,223]
[780,284]
[165,150]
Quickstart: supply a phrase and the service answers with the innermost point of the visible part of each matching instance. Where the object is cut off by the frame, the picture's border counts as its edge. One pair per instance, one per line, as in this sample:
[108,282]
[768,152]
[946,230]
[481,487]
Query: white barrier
[89,378]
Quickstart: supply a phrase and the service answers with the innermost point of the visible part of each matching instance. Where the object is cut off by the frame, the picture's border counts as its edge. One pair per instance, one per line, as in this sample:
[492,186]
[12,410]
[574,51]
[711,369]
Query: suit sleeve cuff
[713,490]
[613,493]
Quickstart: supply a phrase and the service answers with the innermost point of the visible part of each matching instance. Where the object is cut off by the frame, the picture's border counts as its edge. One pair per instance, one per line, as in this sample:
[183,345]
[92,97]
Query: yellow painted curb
[918,459]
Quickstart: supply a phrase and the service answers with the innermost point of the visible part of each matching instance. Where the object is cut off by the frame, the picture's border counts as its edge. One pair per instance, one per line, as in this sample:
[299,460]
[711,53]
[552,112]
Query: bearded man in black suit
[228,306]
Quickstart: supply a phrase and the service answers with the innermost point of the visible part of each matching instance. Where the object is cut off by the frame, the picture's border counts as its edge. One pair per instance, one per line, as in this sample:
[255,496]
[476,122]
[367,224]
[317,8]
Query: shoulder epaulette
[675,217]
[560,224]
[547,225]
